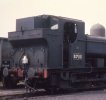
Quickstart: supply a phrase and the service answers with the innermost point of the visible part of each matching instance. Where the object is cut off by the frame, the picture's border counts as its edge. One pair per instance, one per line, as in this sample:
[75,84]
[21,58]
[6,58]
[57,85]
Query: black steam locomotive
[59,55]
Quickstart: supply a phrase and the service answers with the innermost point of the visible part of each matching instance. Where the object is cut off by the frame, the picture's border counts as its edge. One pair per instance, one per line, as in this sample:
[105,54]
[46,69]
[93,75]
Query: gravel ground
[87,95]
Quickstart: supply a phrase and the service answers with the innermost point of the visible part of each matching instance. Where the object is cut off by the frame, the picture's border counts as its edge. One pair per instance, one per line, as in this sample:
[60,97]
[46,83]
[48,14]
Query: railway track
[20,92]
[8,94]
[41,95]
[12,93]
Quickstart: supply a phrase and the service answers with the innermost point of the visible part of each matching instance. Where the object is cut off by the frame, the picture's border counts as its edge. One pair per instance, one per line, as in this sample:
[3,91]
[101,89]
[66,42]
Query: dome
[97,30]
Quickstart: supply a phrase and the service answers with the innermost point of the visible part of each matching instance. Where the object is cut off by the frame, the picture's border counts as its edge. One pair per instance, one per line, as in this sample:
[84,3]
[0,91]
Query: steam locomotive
[59,55]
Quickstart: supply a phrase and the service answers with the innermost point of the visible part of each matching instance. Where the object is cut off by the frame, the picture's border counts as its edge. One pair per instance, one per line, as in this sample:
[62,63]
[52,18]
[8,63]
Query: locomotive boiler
[59,55]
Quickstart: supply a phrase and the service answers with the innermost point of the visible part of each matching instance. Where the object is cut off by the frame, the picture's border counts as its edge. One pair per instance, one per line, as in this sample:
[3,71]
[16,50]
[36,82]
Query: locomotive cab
[70,35]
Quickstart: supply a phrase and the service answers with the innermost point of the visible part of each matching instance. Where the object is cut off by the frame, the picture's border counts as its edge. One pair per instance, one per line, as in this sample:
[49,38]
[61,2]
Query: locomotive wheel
[9,82]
